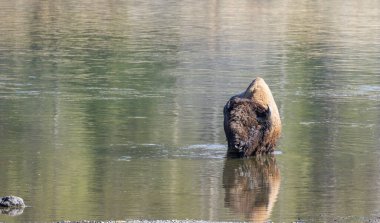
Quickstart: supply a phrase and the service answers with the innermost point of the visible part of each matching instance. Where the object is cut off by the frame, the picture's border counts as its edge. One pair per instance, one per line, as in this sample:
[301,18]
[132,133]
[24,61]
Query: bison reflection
[251,186]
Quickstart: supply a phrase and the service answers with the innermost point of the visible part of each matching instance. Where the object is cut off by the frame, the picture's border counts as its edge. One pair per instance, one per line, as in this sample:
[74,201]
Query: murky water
[113,109]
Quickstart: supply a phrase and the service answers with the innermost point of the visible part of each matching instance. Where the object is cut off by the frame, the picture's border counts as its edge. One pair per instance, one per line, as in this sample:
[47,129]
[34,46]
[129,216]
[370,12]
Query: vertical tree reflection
[251,186]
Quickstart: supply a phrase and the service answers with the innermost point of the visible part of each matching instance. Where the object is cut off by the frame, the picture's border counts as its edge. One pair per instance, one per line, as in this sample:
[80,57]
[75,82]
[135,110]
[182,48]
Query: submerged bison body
[251,121]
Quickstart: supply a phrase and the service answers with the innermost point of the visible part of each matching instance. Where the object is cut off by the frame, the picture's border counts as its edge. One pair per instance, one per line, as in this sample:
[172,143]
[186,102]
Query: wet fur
[246,125]
[249,126]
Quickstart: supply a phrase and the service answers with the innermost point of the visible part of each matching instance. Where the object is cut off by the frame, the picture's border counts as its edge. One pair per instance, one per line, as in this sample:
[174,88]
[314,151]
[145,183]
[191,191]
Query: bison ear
[227,107]
[230,104]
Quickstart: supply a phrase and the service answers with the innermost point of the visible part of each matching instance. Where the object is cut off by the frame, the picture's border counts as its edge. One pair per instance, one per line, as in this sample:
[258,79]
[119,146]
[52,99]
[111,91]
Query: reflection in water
[11,211]
[251,186]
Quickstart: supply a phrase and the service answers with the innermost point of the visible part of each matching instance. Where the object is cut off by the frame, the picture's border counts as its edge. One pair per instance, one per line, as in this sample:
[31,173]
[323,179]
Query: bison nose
[239,146]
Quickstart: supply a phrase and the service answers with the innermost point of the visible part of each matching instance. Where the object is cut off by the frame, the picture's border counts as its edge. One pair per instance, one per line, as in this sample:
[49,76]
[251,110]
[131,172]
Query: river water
[112,110]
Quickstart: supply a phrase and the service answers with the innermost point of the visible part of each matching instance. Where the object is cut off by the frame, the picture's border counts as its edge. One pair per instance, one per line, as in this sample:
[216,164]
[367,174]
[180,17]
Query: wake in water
[196,151]
[148,150]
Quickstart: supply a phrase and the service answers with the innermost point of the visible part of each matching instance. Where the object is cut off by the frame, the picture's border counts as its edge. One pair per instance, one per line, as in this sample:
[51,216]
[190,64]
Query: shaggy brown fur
[251,121]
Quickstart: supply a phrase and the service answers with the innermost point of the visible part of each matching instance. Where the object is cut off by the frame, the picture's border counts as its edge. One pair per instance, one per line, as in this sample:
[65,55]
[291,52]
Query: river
[112,110]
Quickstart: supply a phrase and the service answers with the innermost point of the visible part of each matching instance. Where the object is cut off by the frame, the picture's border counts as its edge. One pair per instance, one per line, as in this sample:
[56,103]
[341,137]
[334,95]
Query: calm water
[113,109]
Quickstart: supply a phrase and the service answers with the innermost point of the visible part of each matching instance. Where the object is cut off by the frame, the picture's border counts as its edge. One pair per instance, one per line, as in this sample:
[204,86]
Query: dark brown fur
[246,126]
[250,126]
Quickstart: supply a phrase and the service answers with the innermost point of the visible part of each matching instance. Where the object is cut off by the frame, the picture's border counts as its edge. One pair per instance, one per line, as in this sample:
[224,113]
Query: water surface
[113,109]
